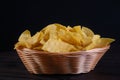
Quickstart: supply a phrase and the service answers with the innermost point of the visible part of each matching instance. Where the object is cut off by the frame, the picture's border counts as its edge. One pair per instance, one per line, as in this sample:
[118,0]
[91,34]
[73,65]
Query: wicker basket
[38,62]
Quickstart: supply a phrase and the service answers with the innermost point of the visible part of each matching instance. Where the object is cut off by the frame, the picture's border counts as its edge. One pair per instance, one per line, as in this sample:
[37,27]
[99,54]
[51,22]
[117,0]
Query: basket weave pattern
[38,62]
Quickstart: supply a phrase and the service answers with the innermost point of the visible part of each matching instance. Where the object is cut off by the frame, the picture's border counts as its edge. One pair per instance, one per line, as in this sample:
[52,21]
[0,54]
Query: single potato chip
[69,37]
[102,42]
[88,31]
[23,40]
[19,45]
[94,43]
[25,35]
[53,45]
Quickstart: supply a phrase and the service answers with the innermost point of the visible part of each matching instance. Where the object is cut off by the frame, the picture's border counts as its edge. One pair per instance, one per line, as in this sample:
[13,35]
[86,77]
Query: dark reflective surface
[11,68]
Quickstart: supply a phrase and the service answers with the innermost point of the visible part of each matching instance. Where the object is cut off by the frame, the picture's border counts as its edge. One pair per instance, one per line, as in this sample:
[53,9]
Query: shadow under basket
[39,62]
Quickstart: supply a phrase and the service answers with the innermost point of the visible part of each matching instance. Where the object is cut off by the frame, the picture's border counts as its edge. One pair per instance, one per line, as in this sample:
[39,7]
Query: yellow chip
[94,43]
[53,45]
[69,28]
[69,37]
[19,45]
[22,41]
[77,29]
[59,38]
[88,31]
[102,42]
[25,35]
[59,26]
[23,44]
[35,38]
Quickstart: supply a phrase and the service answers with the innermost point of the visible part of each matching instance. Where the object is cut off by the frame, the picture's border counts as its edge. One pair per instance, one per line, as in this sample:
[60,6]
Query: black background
[102,16]
[18,15]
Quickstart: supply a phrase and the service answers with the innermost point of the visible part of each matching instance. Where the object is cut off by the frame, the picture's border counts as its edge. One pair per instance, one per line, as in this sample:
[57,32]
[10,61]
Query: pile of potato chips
[59,38]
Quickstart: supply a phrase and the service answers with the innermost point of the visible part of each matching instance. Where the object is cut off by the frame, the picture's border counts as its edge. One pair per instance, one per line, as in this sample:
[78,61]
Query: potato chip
[19,45]
[69,28]
[94,43]
[99,42]
[23,40]
[88,31]
[44,38]
[59,38]
[69,37]
[59,26]
[102,42]
[23,44]
[53,45]
[77,29]
[34,40]
[25,35]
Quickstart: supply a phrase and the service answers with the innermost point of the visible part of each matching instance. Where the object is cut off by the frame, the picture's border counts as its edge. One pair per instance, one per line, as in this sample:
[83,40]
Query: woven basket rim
[95,50]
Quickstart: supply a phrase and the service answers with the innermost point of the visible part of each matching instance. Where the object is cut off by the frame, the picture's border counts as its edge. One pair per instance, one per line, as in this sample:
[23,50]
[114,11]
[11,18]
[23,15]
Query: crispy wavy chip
[24,40]
[102,42]
[25,35]
[94,43]
[19,45]
[77,29]
[59,38]
[69,37]
[53,45]
[88,31]
[98,42]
